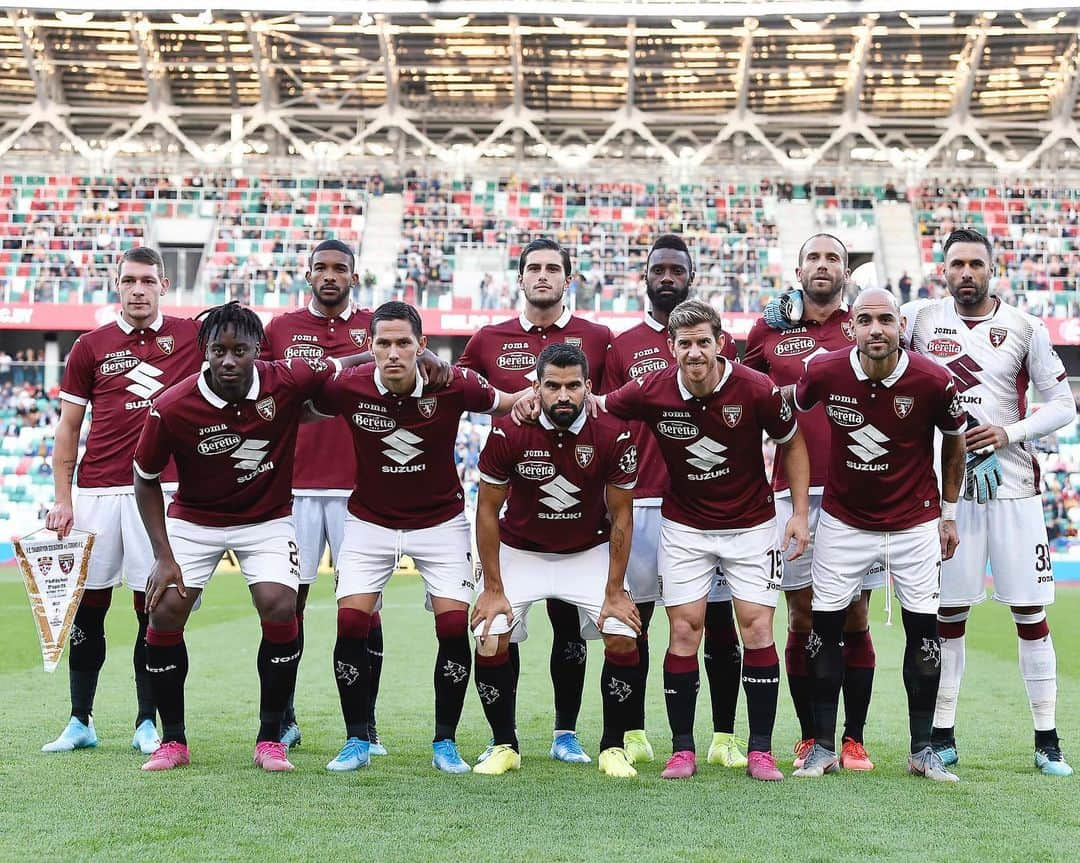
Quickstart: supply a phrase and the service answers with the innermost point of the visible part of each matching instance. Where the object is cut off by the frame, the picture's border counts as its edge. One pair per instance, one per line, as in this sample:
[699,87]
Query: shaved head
[875,295]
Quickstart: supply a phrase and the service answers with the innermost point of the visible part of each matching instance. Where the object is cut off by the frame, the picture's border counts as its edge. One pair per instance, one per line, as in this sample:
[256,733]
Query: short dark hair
[562,356]
[968,235]
[142,255]
[839,242]
[397,311]
[670,241]
[333,246]
[543,243]
[244,322]
[691,313]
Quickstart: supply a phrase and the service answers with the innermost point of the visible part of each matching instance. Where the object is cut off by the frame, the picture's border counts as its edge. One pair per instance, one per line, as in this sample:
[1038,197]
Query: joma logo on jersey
[218,444]
[902,405]
[643,367]
[303,352]
[944,348]
[118,366]
[143,381]
[794,346]
[846,417]
[536,470]
[677,430]
[373,422]
[516,362]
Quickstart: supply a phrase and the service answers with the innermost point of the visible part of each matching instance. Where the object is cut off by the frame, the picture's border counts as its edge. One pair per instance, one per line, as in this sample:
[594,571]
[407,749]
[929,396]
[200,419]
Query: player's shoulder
[179,325]
[289,320]
[915,312]
[507,432]
[658,379]
[585,326]
[1016,320]
[758,384]
[607,426]
[760,331]
[498,329]
[632,335]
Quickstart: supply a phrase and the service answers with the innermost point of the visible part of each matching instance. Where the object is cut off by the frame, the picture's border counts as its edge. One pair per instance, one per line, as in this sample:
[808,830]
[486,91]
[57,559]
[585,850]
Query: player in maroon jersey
[781,351]
[881,505]
[561,480]
[116,370]
[506,355]
[231,430]
[708,415]
[669,276]
[406,499]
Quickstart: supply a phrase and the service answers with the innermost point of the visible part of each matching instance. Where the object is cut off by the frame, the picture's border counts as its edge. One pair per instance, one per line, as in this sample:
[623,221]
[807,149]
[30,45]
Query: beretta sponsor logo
[944,348]
[373,422]
[846,417]
[643,367]
[793,346]
[517,361]
[303,352]
[537,470]
[677,429]
[119,365]
[218,444]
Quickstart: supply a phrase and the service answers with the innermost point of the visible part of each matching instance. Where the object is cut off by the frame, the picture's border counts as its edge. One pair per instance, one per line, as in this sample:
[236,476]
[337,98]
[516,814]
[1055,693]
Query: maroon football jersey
[783,355]
[881,456]
[641,349]
[234,460]
[406,477]
[506,353]
[324,452]
[556,480]
[711,445]
[118,370]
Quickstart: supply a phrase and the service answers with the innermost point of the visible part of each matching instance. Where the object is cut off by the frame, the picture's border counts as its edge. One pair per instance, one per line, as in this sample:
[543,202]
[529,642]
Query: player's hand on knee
[435,372]
[950,538]
[61,519]
[620,606]
[163,575]
[526,409]
[784,311]
[797,530]
[490,605]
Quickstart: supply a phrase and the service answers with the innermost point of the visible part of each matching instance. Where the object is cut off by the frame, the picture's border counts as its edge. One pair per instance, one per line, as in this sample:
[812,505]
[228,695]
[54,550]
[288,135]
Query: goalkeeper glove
[785,311]
[982,476]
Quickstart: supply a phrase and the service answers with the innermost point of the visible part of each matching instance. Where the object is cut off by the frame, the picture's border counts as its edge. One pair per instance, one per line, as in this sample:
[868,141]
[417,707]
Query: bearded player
[116,370]
[506,355]
[669,276]
[994,351]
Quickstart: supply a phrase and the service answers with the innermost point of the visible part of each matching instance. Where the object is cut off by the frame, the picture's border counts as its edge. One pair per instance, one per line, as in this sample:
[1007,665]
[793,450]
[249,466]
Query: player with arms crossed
[881,504]
[406,499]
[708,415]
[669,276]
[994,351]
[781,348]
[116,369]
[506,355]
[231,430]
[561,479]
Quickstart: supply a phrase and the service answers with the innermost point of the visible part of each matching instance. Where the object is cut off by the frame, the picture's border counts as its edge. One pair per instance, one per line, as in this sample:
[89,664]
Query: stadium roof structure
[795,87]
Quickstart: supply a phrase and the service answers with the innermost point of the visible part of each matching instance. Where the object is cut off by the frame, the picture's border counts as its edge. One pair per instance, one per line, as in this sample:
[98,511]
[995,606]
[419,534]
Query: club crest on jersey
[903,405]
[45,564]
[997,336]
[427,406]
[358,336]
[732,414]
[266,408]
[584,454]
[848,329]
[167,343]
[573,341]
[67,563]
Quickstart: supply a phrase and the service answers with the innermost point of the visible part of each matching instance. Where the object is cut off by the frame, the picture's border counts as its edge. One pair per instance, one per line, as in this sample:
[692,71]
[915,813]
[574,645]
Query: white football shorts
[266,552]
[122,552]
[320,522]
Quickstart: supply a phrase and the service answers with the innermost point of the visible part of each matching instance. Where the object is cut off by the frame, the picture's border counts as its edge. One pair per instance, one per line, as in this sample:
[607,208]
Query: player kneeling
[567,482]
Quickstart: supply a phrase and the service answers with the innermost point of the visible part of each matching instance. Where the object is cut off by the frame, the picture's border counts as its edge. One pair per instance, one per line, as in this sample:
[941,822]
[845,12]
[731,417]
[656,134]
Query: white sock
[953,658]
[1038,667]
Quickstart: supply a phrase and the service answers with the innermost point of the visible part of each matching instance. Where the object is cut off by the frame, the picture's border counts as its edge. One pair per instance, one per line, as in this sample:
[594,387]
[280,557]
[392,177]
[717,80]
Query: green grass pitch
[97,805]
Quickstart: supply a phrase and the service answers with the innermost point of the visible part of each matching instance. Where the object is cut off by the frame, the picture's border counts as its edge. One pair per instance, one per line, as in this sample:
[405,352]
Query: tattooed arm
[617,602]
[65,454]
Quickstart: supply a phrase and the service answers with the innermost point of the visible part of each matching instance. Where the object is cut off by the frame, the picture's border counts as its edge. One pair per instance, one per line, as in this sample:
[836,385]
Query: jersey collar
[561,322]
[653,324]
[128,329]
[575,427]
[724,375]
[216,400]
[897,373]
[345,315]
[383,389]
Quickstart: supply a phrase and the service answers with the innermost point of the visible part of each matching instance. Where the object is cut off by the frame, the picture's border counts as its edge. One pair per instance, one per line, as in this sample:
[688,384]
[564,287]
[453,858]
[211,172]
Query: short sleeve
[267,350]
[951,417]
[1044,366]
[755,350]
[154,448]
[77,382]
[624,460]
[479,395]
[495,461]
[599,375]
[807,389]
[776,416]
[628,401]
[730,350]
[471,357]
[329,398]
[614,371]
